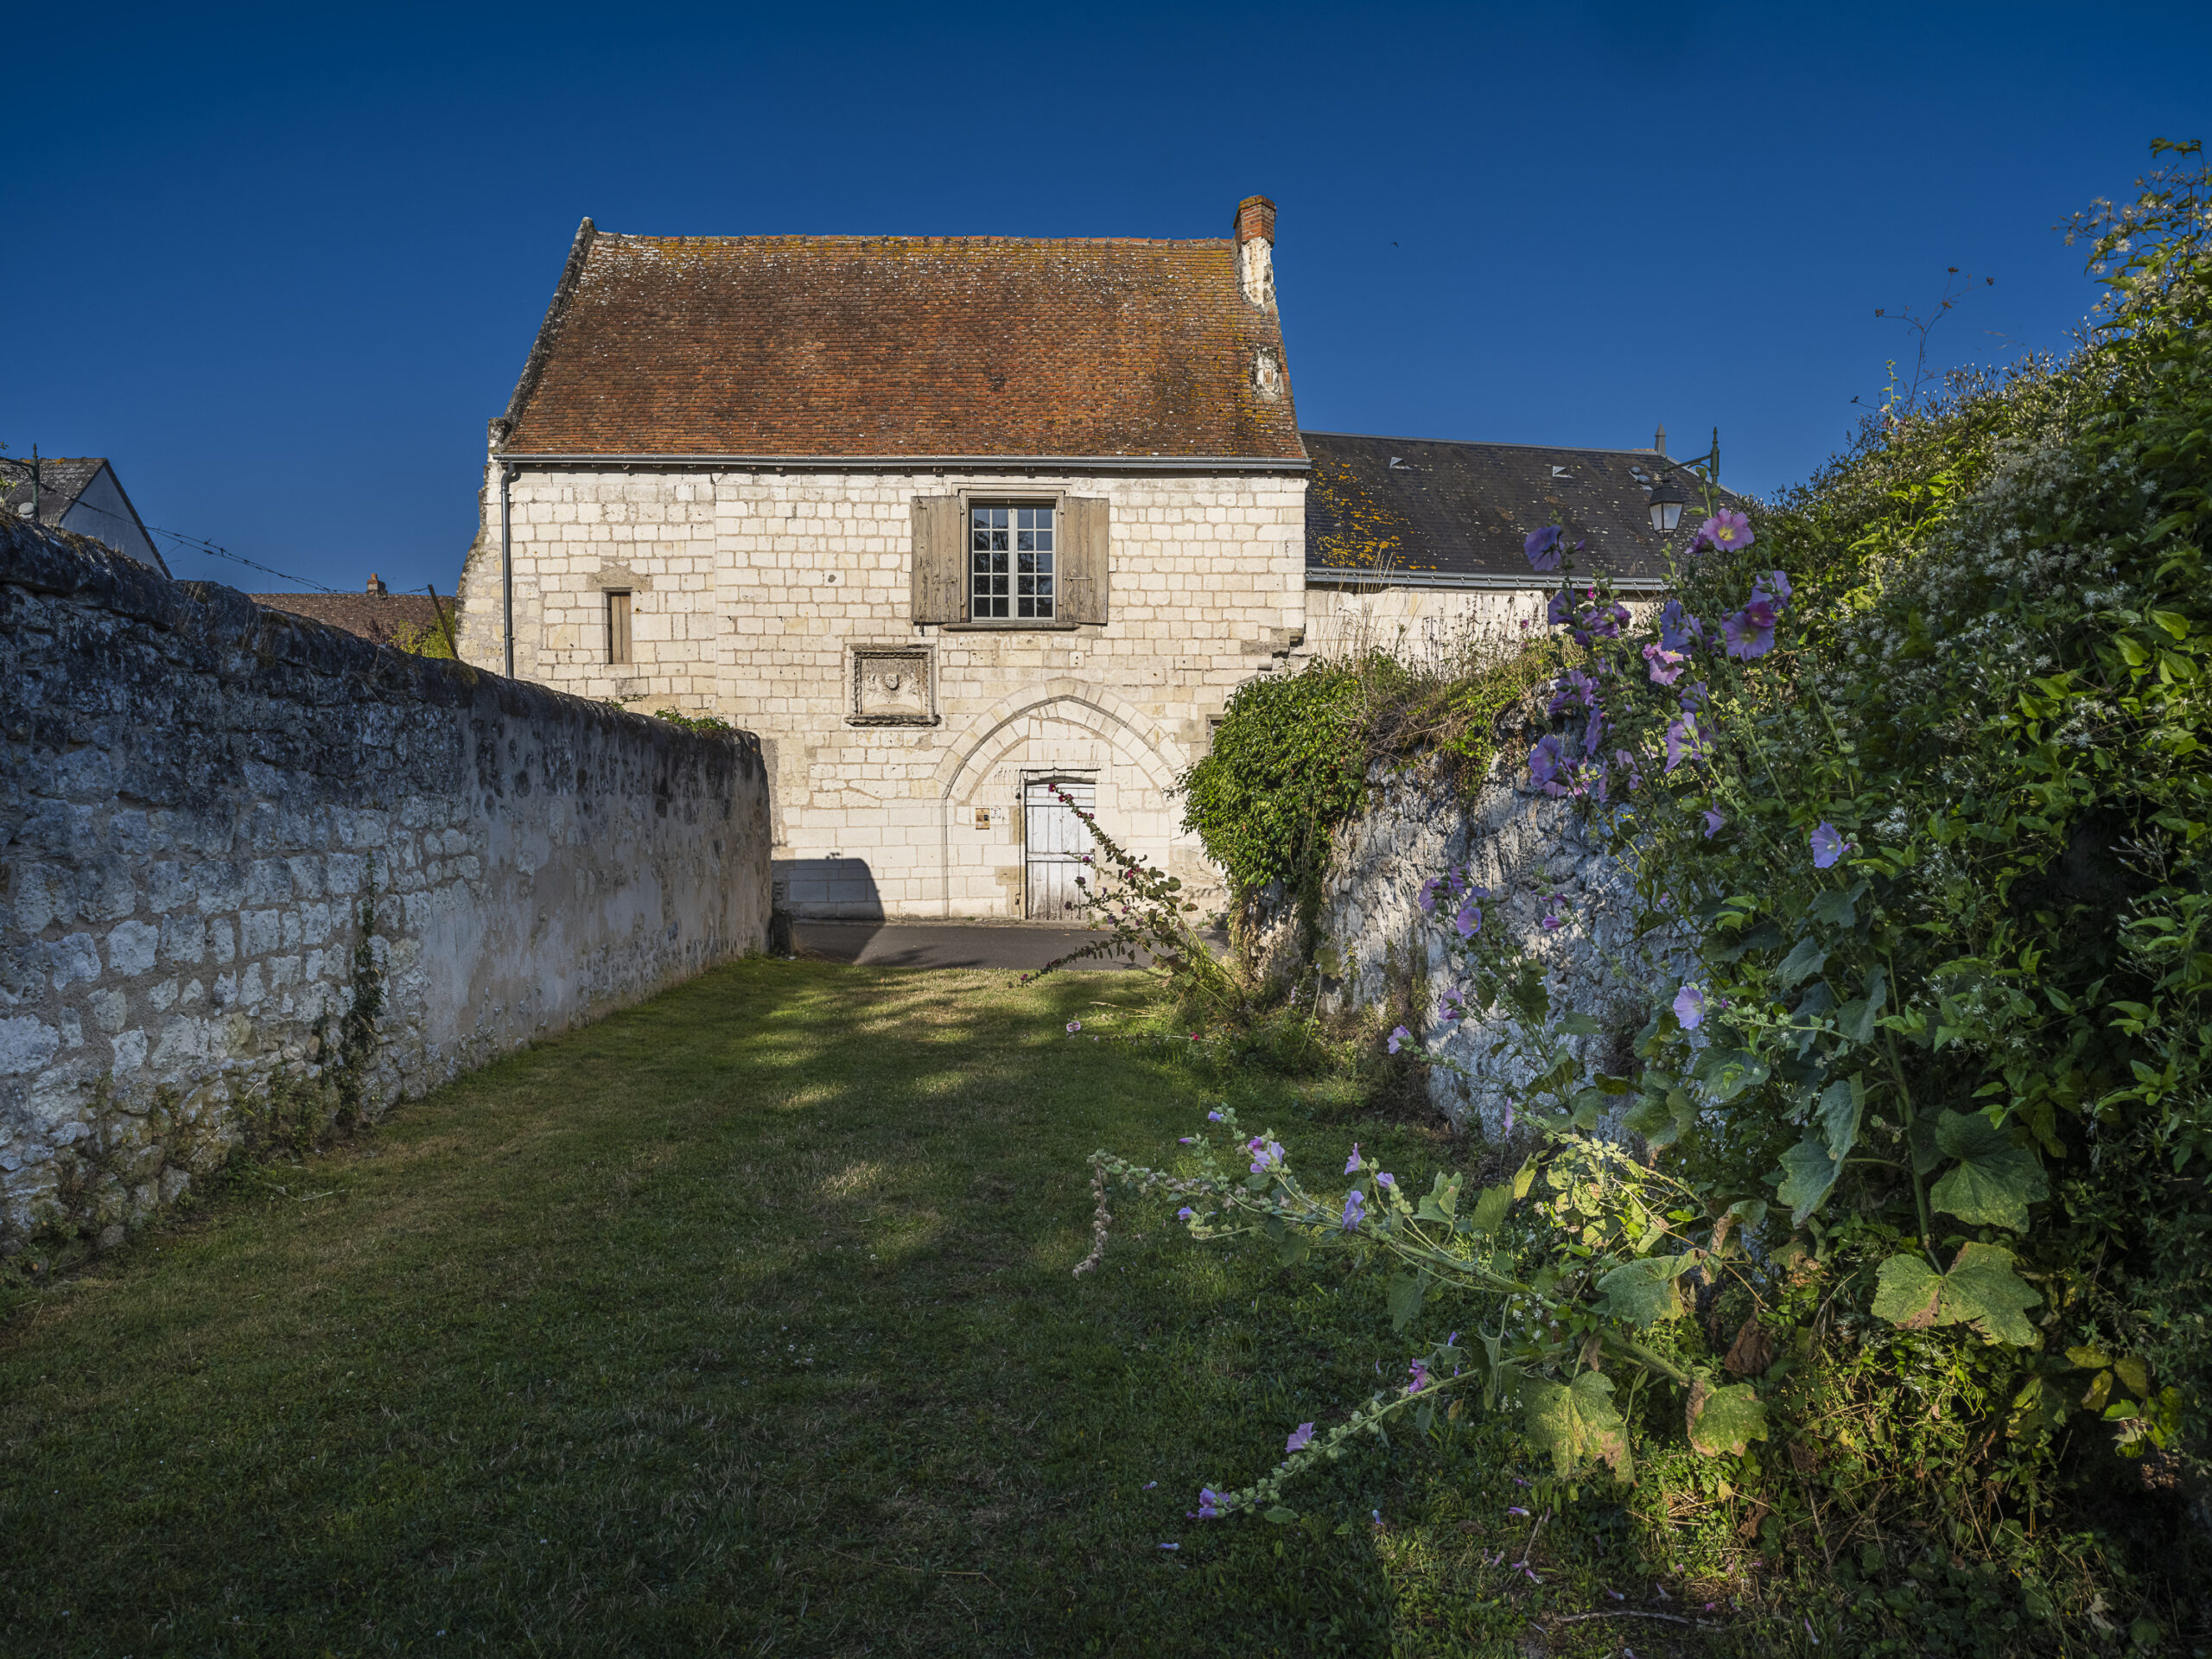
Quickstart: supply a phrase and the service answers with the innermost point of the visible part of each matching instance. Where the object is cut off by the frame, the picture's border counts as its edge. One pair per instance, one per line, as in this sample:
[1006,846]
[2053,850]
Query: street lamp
[1667,497]
[1667,503]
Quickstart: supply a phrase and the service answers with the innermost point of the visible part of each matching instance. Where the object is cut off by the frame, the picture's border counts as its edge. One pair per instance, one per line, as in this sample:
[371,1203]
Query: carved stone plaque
[892,687]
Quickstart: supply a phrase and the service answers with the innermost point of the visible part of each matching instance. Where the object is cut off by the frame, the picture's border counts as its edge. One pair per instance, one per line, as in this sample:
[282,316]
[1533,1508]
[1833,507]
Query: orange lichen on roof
[905,346]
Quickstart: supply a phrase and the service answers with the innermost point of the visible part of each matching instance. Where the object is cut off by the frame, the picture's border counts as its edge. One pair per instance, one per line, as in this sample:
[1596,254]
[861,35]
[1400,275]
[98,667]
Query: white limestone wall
[752,590]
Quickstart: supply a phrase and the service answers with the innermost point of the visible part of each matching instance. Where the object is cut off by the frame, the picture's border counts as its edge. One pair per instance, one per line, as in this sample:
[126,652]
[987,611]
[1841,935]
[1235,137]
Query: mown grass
[741,1322]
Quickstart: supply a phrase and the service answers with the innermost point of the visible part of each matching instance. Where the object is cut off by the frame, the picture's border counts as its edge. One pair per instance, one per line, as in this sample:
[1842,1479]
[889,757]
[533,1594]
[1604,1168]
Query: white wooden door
[1056,841]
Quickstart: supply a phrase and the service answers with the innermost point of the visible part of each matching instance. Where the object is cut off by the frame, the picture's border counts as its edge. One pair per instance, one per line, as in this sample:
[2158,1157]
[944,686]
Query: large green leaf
[1725,1420]
[1842,1105]
[1994,1180]
[1806,1178]
[1404,1297]
[1643,1290]
[1490,1210]
[1576,1420]
[1661,1119]
[1803,961]
[1980,1290]
[1728,1072]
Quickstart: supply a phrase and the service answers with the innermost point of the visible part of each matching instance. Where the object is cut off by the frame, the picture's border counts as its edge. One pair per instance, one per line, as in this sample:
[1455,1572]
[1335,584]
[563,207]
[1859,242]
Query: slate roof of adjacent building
[61,480]
[901,346]
[383,618]
[1460,512]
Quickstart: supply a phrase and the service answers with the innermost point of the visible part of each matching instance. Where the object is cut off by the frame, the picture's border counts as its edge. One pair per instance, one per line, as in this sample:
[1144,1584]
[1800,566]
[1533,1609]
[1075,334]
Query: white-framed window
[1012,562]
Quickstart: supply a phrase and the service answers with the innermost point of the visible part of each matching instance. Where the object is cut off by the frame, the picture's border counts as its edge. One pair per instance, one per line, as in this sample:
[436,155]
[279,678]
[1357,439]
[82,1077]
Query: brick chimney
[1255,249]
[377,589]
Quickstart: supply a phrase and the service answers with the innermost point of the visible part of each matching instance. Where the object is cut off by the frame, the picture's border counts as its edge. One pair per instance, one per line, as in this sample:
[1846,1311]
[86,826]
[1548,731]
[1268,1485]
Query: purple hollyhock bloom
[1713,821]
[1827,846]
[1213,1117]
[1594,733]
[1693,695]
[1678,629]
[1452,1004]
[1689,1007]
[1399,1039]
[1665,665]
[1428,894]
[1074,1025]
[1302,1438]
[1210,1504]
[1751,631]
[1270,1156]
[1354,1210]
[1386,1179]
[1351,1165]
[1419,1372]
[1777,584]
[1185,1213]
[1543,548]
[1571,689]
[1607,620]
[1469,921]
[1560,610]
[1726,529]
[1544,758]
[1683,742]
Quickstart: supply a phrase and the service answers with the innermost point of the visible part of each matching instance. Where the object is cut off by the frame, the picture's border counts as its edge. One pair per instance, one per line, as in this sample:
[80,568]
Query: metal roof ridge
[1477,444]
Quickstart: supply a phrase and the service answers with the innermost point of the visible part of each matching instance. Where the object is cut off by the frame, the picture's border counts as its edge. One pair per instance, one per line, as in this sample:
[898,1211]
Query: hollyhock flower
[1074,1025]
[1210,1504]
[1550,923]
[1182,1140]
[1778,584]
[1694,696]
[1726,529]
[1594,732]
[1270,1157]
[1750,631]
[1399,1038]
[1452,1004]
[1428,894]
[1419,1372]
[1713,821]
[1689,1007]
[1827,846]
[1185,1213]
[1678,629]
[1386,1179]
[1515,1509]
[1607,620]
[1665,665]
[1574,689]
[1354,1210]
[1683,742]
[1560,610]
[1469,921]
[1351,1165]
[1543,548]
[1300,1440]
[1508,1117]
[1213,1117]
[1544,758]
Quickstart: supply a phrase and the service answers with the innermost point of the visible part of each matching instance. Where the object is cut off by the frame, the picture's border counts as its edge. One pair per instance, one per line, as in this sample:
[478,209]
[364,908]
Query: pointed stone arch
[1092,707]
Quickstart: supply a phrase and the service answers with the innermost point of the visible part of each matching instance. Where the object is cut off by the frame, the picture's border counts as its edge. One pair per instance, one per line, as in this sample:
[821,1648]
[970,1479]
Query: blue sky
[282,265]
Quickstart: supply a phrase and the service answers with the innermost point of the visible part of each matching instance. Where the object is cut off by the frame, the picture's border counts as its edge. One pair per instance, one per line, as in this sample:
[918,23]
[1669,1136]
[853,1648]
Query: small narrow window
[618,627]
[1011,564]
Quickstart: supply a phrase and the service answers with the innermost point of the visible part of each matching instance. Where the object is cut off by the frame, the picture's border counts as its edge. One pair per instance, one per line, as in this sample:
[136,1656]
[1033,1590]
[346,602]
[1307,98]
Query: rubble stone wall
[224,830]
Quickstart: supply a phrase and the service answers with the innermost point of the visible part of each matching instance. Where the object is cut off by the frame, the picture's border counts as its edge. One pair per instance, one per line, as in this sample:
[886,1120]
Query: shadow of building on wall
[843,888]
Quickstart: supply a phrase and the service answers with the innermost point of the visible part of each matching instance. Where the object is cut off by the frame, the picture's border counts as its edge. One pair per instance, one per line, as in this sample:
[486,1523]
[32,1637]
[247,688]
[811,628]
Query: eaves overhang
[918,463]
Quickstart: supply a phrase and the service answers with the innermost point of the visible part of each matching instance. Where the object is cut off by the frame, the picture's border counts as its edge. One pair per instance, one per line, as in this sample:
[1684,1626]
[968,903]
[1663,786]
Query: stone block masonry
[204,802]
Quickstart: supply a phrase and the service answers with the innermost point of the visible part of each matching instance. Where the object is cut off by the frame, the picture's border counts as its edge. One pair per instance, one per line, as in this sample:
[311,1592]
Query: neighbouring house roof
[1428,510]
[80,493]
[383,618]
[902,345]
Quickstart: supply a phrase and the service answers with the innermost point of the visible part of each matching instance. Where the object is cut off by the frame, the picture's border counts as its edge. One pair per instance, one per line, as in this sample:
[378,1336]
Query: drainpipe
[506,569]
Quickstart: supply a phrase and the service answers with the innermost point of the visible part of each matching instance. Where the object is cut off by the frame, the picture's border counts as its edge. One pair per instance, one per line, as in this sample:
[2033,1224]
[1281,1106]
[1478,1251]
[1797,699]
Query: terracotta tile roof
[379,617]
[1420,506]
[902,345]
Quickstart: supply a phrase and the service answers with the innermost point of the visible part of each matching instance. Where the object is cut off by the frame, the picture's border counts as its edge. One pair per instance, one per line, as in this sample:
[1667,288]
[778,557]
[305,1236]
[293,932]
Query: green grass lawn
[741,1322]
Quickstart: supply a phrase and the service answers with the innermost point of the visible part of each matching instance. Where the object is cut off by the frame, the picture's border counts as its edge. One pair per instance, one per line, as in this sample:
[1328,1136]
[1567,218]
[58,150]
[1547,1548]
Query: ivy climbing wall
[258,876]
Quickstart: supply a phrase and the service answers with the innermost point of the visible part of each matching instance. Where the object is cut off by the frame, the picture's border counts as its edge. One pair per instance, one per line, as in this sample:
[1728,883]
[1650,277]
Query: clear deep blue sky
[281,265]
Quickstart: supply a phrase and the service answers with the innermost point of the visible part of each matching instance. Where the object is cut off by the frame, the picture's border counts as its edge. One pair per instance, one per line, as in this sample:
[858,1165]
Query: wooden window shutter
[1087,540]
[939,560]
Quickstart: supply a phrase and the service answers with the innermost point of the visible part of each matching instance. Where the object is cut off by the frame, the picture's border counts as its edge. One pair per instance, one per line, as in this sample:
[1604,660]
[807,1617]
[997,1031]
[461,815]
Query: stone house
[953,523]
[1414,543]
[947,521]
[81,494]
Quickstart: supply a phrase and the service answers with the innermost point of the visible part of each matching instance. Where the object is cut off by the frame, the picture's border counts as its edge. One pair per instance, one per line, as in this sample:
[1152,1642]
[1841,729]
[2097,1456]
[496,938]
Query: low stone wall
[1376,948]
[251,865]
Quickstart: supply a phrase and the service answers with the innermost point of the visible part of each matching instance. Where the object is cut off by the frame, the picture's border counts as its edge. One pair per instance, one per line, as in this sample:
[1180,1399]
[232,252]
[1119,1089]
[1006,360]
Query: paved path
[1026,946]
